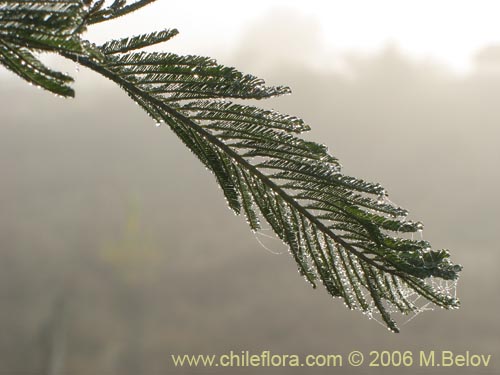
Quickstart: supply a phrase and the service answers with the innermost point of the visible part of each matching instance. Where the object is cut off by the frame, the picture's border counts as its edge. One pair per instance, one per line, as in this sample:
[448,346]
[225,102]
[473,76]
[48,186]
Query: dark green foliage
[145,40]
[29,26]
[341,231]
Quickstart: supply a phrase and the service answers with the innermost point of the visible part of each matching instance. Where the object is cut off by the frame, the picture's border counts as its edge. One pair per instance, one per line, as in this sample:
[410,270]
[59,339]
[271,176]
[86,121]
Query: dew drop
[420,227]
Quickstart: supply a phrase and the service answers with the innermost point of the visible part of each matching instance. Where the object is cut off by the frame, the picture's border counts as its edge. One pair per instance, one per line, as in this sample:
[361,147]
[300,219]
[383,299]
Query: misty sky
[443,32]
[448,31]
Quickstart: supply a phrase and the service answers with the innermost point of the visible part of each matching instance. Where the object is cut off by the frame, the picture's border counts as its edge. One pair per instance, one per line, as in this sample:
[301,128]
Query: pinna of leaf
[341,231]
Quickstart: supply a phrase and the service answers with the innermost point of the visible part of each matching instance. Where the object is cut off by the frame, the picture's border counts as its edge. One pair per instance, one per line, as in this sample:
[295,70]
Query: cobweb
[444,287]
[268,240]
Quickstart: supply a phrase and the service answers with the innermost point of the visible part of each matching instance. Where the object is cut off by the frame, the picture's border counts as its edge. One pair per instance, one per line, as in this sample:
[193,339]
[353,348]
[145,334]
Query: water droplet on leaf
[420,227]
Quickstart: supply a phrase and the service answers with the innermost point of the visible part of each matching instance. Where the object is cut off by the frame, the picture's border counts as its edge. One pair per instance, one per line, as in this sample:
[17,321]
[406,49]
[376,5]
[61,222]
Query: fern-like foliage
[343,232]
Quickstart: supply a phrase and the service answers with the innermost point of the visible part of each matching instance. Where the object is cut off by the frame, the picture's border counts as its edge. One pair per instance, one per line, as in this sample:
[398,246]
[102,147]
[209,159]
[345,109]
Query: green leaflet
[22,62]
[342,231]
[130,44]
[29,27]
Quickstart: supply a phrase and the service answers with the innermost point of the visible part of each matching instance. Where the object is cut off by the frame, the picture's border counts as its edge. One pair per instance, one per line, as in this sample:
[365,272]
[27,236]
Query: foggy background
[117,248]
